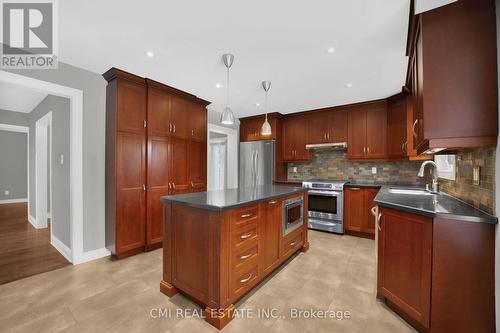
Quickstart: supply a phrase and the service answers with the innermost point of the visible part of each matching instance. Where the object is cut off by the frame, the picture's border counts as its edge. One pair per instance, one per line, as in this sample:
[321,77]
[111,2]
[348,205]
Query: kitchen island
[218,245]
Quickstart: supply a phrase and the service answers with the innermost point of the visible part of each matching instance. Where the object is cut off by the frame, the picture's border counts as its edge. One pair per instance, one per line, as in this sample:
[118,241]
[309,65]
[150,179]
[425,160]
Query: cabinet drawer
[244,280]
[244,235]
[292,242]
[245,214]
[245,256]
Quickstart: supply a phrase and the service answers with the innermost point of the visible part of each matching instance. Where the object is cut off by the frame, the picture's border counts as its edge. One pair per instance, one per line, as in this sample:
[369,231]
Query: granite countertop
[438,205]
[231,198]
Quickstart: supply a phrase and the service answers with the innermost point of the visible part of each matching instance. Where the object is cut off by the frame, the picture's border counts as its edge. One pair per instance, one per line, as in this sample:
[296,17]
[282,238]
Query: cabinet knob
[174,127]
[245,236]
[414,128]
[272,202]
[144,187]
[170,127]
[245,215]
[246,256]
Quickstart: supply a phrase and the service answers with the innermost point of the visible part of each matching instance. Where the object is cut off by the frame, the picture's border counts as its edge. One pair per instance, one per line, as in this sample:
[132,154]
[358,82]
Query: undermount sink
[409,191]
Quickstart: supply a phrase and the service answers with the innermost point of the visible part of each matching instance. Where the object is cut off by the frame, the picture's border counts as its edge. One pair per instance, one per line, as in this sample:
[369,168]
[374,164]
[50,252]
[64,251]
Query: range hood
[333,146]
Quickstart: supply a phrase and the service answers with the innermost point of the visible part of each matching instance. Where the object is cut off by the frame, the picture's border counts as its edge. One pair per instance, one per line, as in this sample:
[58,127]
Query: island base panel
[168,289]
[305,247]
[219,318]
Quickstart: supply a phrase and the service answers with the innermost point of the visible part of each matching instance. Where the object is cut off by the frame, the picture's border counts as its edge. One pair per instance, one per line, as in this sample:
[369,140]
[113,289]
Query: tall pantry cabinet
[156,144]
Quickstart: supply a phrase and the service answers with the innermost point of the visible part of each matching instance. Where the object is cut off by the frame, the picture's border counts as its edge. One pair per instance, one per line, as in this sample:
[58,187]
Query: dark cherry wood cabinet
[271,234]
[396,126]
[437,273]
[295,140]
[326,127]
[404,263]
[216,257]
[455,102]
[155,146]
[358,219]
[367,132]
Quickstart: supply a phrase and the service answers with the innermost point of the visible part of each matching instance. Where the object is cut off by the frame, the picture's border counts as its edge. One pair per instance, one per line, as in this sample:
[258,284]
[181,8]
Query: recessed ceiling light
[218,85]
[349,85]
[150,54]
[331,49]
[257,104]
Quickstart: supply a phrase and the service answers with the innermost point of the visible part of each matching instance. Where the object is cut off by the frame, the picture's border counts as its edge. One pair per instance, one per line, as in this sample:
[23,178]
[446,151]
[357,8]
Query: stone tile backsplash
[481,196]
[332,164]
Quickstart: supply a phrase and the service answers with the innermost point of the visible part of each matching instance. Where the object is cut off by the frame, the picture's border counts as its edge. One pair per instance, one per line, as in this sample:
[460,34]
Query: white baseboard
[32,220]
[61,247]
[92,255]
[11,201]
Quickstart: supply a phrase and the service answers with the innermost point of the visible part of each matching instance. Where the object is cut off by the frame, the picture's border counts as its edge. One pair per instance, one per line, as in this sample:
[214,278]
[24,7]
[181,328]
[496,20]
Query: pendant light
[266,127]
[227,116]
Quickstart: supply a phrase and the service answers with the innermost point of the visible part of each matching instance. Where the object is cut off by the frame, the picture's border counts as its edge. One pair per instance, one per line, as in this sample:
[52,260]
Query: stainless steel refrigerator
[256,163]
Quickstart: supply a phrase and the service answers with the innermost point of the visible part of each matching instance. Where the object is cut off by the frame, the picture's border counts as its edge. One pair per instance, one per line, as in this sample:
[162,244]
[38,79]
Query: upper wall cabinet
[396,126]
[453,76]
[367,132]
[327,127]
[295,140]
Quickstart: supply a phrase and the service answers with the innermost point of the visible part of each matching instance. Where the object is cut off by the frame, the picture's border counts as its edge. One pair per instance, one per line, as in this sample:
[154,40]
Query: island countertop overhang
[231,198]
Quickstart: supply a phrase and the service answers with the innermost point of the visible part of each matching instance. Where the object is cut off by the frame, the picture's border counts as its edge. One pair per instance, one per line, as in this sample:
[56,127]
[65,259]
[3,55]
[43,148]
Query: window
[446,166]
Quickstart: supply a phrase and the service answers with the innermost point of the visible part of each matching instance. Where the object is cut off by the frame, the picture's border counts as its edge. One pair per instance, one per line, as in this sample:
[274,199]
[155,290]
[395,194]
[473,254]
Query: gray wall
[13,165]
[14,118]
[94,101]
[60,108]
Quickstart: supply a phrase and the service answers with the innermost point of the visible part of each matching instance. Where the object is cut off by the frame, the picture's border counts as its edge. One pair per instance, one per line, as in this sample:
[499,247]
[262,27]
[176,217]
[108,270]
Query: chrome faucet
[435,185]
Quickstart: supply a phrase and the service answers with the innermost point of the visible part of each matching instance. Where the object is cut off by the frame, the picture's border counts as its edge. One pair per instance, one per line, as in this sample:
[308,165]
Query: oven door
[326,205]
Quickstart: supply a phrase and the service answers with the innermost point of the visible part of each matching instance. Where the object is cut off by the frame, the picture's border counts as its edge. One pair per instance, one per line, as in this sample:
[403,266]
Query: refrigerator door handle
[253,165]
[256,166]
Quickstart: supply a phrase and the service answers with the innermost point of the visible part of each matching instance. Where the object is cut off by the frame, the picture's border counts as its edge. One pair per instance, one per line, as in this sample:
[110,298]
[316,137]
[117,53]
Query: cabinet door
[197,165]
[131,107]
[336,130]
[354,209]
[300,142]
[158,179]
[404,262]
[369,226]
[158,112]
[356,143]
[288,139]
[179,118]
[198,122]
[316,128]
[271,235]
[130,183]
[178,157]
[376,133]
[418,126]
[396,127]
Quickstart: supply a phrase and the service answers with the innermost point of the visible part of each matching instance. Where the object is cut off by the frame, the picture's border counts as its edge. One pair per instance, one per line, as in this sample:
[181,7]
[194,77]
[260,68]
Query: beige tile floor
[337,273]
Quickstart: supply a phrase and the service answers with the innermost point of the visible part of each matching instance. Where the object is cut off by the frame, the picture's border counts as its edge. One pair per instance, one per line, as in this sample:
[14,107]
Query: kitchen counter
[219,245]
[436,206]
[231,198]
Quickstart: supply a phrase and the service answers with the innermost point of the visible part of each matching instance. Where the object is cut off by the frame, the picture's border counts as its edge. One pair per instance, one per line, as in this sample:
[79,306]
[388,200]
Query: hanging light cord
[266,105]
[227,88]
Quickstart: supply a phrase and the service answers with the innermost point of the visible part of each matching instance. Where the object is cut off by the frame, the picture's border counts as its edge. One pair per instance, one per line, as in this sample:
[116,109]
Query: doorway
[43,170]
[222,158]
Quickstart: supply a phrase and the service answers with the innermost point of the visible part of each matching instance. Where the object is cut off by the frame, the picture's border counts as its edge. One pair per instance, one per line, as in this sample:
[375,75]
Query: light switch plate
[374,170]
[62,159]
[6,192]
[294,169]
[476,175]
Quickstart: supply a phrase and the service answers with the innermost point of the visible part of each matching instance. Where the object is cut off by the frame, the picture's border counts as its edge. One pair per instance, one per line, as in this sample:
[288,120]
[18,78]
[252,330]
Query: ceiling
[18,98]
[283,41]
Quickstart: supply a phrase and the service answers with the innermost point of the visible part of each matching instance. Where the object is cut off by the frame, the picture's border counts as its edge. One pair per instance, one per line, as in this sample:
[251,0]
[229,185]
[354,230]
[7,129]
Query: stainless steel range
[326,204]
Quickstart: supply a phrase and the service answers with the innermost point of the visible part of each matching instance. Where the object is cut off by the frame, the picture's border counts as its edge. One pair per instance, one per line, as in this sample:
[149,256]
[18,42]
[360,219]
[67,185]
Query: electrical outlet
[62,159]
[476,175]
[374,170]
[6,192]
[294,169]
